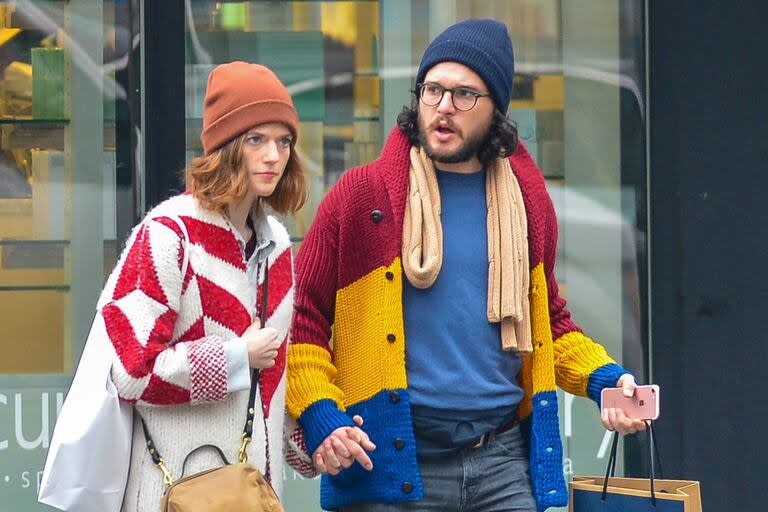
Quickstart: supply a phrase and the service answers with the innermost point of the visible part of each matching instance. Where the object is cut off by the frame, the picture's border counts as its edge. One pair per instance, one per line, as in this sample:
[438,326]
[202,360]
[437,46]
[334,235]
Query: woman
[185,345]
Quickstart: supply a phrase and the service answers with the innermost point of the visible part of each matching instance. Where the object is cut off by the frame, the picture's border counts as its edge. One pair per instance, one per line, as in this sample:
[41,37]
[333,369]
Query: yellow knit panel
[367,312]
[525,407]
[576,357]
[542,357]
[310,378]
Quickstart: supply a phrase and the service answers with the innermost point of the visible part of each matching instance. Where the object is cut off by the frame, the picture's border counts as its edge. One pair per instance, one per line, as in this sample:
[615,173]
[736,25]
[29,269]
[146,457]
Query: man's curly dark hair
[500,141]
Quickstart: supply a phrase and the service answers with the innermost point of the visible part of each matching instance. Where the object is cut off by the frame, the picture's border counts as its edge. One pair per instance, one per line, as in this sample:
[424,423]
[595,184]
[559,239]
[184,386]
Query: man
[432,385]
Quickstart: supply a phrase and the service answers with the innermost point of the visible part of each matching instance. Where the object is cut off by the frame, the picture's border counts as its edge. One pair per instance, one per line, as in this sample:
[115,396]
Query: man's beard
[468,149]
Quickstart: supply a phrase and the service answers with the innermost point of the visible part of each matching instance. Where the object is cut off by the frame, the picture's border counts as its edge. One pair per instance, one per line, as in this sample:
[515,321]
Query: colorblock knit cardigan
[169,334]
[349,277]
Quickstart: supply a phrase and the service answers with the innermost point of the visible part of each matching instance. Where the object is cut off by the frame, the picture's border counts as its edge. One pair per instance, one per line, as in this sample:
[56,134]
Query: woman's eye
[286,142]
[464,93]
[254,139]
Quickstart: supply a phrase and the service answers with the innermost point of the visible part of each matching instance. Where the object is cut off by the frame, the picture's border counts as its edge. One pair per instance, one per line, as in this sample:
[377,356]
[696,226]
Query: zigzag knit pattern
[349,277]
[169,334]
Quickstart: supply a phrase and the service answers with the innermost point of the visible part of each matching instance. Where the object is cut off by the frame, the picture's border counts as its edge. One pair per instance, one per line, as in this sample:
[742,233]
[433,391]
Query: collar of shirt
[265,238]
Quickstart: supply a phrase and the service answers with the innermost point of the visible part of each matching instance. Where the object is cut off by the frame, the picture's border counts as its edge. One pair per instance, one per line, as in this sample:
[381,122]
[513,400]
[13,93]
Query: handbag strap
[653,448]
[158,460]
[251,412]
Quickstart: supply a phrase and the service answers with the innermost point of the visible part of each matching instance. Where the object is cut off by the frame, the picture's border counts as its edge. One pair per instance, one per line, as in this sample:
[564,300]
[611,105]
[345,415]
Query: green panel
[109,98]
[47,83]
[300,494]
[233,16]
[28,408]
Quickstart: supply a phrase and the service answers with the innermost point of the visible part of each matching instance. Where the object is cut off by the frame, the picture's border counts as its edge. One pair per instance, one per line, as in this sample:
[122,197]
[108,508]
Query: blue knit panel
[546,453]
[387,419]
[604,377]
[319,420]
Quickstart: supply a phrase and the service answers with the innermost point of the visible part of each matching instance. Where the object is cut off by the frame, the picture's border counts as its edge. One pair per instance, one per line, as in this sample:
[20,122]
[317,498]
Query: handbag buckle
[243,454]
[167,478]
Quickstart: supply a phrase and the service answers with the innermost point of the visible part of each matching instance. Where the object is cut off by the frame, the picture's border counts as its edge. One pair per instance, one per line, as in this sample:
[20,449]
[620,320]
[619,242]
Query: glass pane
[578,102]
[325,52]
[58,211]
[327,55]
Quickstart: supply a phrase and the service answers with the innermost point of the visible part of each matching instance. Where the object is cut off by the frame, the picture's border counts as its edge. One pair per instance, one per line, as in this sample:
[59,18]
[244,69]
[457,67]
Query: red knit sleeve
[139,307]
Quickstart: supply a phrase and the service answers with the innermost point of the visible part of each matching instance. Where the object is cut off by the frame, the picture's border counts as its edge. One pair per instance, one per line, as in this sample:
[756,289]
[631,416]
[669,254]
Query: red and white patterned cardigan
[169,333]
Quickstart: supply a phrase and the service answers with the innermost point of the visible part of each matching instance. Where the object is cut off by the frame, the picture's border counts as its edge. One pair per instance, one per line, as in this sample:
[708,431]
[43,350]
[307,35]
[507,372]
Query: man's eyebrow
[476,88]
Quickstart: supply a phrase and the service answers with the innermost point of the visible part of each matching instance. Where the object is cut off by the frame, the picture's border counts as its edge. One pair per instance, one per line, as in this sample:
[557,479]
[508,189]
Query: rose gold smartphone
[644,405]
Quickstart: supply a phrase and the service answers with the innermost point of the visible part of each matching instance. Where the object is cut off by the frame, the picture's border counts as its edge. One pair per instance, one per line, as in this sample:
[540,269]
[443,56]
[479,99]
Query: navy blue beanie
[483,46]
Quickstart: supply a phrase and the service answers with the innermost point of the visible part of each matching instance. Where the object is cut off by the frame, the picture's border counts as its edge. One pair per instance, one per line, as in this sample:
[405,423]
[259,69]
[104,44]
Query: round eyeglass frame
[420,94]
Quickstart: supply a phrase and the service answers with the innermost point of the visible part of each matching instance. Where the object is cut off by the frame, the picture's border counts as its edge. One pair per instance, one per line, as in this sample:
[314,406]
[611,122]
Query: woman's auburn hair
[219,179]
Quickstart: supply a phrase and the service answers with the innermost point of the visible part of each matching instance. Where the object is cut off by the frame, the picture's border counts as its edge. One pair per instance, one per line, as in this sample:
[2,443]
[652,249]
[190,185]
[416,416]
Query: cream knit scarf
[508,272]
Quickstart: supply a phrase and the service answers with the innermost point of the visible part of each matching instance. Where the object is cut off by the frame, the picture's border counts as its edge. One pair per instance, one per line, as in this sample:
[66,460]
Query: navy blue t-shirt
[461,383]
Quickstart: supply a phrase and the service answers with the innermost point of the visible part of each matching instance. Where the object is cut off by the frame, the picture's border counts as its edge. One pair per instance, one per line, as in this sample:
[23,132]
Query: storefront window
[58,211]
[67,192]
[577,101]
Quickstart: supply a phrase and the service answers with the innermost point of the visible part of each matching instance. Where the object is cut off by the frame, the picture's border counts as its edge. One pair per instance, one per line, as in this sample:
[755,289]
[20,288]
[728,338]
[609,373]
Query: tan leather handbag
[227,488]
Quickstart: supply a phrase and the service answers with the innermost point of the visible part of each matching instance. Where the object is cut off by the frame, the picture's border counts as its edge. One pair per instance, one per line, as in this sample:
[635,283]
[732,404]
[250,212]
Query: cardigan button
[376,216]
[391,338]
[407,487]
[389,275]
[399,444]
[394,397]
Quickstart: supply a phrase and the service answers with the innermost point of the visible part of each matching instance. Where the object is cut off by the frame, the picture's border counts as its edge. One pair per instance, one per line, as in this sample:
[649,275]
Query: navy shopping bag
[608,494]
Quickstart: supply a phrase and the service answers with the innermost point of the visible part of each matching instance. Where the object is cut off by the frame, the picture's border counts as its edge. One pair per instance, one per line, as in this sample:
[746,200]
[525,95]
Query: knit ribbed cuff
[604,377]
[319,420]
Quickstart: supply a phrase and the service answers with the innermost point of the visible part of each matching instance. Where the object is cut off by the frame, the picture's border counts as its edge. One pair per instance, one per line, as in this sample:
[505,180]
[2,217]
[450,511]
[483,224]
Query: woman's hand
[262,345]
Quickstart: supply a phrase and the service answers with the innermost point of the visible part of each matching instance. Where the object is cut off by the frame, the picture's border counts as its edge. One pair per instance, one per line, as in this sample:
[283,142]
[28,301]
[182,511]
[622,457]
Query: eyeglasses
[463,98]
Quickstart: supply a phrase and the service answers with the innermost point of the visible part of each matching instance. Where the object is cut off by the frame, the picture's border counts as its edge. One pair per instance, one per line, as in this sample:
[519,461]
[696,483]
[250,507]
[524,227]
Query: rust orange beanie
[240,96]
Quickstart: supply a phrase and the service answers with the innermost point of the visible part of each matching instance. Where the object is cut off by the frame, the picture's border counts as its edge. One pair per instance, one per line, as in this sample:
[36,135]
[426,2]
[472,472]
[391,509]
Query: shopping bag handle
[653,448]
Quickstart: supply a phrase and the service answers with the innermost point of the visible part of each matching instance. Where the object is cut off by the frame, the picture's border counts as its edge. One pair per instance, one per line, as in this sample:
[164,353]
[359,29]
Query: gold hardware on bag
[167,478]
[243,454]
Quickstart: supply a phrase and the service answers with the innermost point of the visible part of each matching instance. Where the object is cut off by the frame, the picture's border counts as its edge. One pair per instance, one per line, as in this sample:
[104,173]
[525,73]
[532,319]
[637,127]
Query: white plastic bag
[90,454]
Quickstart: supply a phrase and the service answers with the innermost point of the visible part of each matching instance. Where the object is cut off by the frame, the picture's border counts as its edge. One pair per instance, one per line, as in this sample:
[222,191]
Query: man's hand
[615,419]
[342,448]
